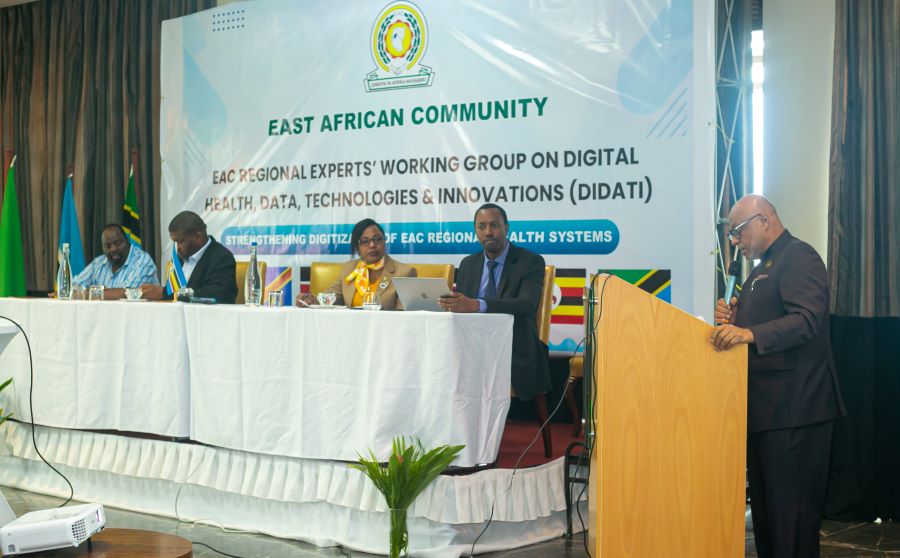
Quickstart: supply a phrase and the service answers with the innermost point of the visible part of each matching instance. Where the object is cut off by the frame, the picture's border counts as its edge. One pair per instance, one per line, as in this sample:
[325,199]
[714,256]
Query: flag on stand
[279,279]
[175,273]
[69,232]
[12,260]
[131,213]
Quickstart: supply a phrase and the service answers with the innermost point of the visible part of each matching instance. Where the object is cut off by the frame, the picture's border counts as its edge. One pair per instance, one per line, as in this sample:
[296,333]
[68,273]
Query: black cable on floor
[31,410]
[216,550]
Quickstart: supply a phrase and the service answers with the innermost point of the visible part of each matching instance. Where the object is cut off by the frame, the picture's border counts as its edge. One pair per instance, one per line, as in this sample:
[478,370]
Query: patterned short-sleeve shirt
[137,270]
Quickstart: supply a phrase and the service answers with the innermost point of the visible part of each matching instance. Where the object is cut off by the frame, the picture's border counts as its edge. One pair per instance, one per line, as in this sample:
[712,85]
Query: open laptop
[421,293]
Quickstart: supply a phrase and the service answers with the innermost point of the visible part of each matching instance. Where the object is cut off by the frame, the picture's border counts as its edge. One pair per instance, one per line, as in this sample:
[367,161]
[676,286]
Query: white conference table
[99,365]
[311,384]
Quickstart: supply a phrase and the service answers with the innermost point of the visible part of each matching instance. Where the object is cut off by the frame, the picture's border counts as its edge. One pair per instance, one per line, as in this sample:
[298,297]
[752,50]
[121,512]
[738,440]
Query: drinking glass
[371,301]
[185,294]
[78,292]
[132,293]
[95,292]
[327,298]
[274,298]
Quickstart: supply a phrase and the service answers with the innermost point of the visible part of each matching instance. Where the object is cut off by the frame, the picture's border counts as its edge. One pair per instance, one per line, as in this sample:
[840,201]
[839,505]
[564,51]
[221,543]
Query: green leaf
[408,471]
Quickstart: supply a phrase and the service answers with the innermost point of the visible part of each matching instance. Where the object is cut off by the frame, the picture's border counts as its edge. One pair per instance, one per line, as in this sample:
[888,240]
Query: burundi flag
[279,279]
[176,278]
[12,260]
[69,232]
[131,213]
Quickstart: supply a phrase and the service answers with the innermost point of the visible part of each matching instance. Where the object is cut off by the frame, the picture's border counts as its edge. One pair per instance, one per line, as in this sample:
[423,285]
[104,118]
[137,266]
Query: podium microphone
[731,282]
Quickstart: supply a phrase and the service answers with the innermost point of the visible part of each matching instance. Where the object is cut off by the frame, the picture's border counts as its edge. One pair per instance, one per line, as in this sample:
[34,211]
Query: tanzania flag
[12,261]
[69,232]
[657,282]
[568,306]
[279,279]
[131,213]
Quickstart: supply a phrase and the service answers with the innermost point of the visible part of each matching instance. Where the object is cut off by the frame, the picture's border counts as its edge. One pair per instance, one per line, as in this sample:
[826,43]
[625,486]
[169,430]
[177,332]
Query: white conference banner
[285,122]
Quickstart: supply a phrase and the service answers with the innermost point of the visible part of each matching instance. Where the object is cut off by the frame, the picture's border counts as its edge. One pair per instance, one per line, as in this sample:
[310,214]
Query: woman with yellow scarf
[372,272]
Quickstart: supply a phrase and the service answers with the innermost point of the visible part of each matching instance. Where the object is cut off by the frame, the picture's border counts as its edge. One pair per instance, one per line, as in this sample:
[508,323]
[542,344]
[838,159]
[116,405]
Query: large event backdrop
[591,123]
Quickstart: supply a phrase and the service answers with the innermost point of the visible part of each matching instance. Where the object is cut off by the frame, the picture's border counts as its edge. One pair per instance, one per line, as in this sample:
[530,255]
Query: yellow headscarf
[360,275]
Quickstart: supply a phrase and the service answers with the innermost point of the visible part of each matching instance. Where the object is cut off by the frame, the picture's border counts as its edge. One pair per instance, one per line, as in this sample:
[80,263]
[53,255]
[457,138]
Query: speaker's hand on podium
[727,336]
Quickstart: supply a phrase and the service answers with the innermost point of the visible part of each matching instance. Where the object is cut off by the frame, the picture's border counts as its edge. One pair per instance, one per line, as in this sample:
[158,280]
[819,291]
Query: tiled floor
[838,539]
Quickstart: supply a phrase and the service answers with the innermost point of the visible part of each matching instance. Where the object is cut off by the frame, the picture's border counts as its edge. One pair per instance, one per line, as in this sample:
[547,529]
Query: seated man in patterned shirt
[121,265]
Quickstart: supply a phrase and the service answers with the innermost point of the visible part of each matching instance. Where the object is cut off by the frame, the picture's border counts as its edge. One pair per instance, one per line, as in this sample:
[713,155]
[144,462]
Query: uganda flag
[131,213]
[657,282]
[279,279]
[568,288]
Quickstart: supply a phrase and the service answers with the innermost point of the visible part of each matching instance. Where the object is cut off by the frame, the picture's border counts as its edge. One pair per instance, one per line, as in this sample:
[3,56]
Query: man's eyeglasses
[366,241]
[735,234]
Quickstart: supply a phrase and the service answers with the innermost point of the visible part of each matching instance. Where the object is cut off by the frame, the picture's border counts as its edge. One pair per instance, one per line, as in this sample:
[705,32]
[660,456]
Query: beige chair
[542,320]
[447,271]
[322,275]
[240,273]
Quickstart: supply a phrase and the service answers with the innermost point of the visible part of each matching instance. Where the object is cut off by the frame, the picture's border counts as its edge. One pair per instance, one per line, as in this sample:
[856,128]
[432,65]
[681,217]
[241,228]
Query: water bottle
[252,281]
[64,275]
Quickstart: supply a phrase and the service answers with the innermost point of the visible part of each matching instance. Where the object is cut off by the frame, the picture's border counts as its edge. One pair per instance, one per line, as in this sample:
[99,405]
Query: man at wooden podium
[793,396]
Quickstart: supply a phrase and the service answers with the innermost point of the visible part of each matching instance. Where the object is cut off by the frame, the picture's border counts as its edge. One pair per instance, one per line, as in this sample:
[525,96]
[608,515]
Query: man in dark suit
[208,266]
[506,279]
[793,396]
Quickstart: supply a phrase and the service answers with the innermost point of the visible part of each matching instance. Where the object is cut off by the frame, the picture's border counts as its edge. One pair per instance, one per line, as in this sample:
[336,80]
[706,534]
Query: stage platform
[325,503]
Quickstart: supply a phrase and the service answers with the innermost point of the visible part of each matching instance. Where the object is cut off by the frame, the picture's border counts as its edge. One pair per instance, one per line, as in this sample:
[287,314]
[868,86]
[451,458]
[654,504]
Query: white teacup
[132,293]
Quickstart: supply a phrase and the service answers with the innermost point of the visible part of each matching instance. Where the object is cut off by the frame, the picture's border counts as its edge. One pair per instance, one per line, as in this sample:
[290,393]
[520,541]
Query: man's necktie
[491,290]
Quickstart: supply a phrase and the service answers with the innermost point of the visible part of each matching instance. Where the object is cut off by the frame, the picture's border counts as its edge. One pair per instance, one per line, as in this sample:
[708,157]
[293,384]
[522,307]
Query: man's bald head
[754,225]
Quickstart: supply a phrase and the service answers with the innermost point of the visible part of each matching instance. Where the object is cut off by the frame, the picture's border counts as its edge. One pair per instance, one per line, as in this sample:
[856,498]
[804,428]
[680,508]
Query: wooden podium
[670,417]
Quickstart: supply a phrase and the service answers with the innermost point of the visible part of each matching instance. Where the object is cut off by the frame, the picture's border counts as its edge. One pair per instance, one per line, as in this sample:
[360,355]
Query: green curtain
[79,85]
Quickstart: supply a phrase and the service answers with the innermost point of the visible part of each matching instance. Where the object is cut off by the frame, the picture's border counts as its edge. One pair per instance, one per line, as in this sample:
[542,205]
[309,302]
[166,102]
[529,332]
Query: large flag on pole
[131,213]
[69,232]
[12,261]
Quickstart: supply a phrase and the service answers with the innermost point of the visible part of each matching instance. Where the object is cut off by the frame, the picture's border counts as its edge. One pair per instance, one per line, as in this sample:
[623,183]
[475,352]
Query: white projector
[54,528]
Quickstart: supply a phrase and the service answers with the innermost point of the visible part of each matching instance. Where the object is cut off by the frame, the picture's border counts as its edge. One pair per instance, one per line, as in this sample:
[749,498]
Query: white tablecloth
[326,384]
[99,365]
[317,384]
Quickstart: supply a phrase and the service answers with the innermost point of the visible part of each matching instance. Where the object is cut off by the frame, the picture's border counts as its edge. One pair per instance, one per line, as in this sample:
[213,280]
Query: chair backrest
[322,275]
[240,273]
[545,308]
[447,271]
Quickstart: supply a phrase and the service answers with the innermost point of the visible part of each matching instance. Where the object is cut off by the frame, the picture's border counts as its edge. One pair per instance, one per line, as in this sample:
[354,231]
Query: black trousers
[788,474]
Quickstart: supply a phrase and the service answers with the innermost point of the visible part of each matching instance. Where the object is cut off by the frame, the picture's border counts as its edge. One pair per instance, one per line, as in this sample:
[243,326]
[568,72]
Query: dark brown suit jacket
[784,302]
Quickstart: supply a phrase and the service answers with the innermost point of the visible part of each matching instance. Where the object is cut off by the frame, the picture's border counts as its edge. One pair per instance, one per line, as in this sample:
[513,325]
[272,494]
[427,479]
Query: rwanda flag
[69,232]
[12,260]
[131,213]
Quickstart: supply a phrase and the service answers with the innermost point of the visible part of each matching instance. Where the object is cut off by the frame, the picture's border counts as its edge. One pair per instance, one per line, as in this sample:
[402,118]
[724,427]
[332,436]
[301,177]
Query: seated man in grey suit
[506,279]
